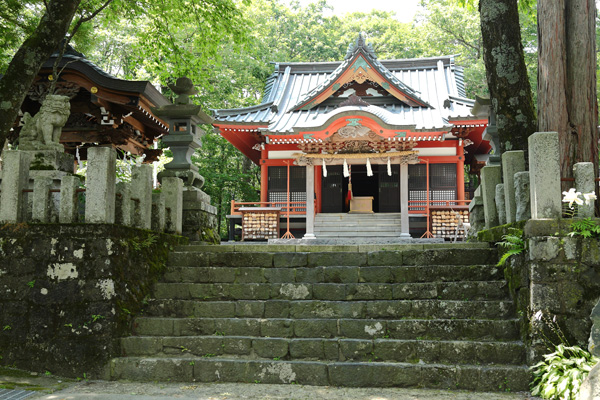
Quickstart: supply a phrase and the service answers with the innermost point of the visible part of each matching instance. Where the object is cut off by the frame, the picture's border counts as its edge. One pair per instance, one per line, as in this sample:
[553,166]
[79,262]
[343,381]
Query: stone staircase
[423,315]
[348,226]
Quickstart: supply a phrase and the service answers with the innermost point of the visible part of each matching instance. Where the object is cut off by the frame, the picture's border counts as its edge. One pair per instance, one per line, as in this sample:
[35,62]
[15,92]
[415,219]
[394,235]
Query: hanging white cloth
[79,163]
[389,167]
[369,170]
[324,169]
[346,171]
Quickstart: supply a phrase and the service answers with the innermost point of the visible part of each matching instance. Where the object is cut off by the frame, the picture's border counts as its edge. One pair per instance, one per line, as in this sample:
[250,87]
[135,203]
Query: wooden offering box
[361,205]
[260,223]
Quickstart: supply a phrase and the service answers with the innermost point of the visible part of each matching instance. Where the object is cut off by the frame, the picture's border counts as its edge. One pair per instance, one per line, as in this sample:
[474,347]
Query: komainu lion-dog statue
[42,131]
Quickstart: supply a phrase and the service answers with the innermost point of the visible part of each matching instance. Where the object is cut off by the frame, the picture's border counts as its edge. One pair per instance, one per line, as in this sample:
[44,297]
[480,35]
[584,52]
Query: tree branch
[67,40]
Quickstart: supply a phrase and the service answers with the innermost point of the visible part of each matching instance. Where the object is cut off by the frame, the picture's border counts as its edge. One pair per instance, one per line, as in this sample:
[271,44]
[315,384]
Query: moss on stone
[68,339]
[494,235]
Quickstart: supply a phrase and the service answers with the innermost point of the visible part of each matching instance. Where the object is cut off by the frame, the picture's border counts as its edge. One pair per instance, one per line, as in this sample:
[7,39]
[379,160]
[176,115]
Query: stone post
[544,175]
[100,186]
[172,190]
[490,177]
[68,211]
[158,212]
[522,196]
[40,211]
[404,216]
[123,204]
[476,216]
[585,183]
[500,204]
[512,162]
[141,190]
[310,202]
[15,176]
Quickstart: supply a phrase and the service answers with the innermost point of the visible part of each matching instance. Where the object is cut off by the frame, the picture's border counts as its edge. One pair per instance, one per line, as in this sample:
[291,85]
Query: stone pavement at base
[101,390]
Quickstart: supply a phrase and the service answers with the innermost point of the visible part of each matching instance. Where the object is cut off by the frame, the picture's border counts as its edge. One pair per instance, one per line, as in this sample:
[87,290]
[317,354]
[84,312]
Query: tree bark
[506,73]
[26,63]
[567,101]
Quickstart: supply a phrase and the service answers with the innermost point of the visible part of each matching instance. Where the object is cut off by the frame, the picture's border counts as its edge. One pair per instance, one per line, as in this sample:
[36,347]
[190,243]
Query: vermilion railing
[296,207]
[299,207]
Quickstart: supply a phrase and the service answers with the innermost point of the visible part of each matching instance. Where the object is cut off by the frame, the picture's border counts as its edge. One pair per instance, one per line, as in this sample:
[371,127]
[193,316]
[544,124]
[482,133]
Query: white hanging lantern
[346,171]
[369,170]
[324,169]
[389,167]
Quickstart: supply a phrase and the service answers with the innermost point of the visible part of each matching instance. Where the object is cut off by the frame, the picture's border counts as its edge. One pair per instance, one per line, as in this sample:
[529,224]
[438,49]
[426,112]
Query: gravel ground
[102,390]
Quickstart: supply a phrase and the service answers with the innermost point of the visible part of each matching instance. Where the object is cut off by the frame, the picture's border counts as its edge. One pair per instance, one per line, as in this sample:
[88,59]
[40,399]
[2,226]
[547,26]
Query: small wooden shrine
[397,132]
[105,110]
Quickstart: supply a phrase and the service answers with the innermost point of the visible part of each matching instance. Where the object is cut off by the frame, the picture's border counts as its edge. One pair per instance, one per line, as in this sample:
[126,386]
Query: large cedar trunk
[506,73]
[567,79]
[26,63]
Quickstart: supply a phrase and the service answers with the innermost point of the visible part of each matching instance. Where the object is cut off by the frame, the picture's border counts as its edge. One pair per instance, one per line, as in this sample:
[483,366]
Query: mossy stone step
[404,329]
[290,274]
[303,248]
[309,309]
[492,290]
[356,374]
[372,350]
[454,256]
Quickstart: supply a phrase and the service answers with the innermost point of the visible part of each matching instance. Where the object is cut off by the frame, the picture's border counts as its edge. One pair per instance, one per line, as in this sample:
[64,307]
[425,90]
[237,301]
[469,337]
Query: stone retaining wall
[67,291]
[558,275]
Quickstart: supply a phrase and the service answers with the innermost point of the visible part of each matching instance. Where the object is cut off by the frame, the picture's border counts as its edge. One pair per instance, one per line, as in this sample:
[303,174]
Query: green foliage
[561,373]
[138,245]
[513,244]
[585,227]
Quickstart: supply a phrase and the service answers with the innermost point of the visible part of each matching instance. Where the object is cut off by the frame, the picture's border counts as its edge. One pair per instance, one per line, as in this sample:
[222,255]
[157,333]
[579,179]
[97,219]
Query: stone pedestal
[522,196]
[158,212]
[199,217]
[51,160]
[512,162]
[100,186]
[141,194]
[490,177]
[585,183]
[172,190]
[41,200]
[68,199]
[544,175]
[15,176]
[123,204]
[500,204]
[476,216]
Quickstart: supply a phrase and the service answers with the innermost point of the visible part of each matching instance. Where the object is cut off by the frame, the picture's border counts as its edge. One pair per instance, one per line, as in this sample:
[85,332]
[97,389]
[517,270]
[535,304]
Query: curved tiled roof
[76,61]
[437,81]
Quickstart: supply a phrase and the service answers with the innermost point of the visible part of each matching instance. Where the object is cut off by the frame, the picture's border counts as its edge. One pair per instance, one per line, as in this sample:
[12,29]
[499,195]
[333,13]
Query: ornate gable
[360,73]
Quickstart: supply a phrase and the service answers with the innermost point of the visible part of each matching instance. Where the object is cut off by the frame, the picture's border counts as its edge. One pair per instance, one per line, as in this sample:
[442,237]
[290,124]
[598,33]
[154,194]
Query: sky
[405,9]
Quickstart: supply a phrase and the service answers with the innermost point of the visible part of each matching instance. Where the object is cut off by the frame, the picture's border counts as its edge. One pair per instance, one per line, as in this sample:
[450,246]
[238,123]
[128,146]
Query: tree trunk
[567,101]
[506,73]
[26,63]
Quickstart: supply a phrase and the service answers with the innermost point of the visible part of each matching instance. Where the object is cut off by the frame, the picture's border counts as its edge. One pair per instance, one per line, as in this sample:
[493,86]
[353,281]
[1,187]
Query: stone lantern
[184,118]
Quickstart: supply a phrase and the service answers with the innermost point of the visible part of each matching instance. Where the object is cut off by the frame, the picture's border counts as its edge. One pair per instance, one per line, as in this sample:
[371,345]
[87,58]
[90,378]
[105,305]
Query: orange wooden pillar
[264,182]
[460,172]
[318,176]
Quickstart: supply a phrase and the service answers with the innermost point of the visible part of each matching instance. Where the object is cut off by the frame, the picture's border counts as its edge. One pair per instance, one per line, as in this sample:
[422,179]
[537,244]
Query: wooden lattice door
[389,189]
[332,190]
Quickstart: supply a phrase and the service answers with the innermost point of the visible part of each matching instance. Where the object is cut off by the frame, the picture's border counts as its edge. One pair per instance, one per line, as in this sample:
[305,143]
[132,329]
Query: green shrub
[561,374]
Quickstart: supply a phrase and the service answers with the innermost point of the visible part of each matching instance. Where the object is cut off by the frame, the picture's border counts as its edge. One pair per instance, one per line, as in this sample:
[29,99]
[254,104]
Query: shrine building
[361,136]
[105,110]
